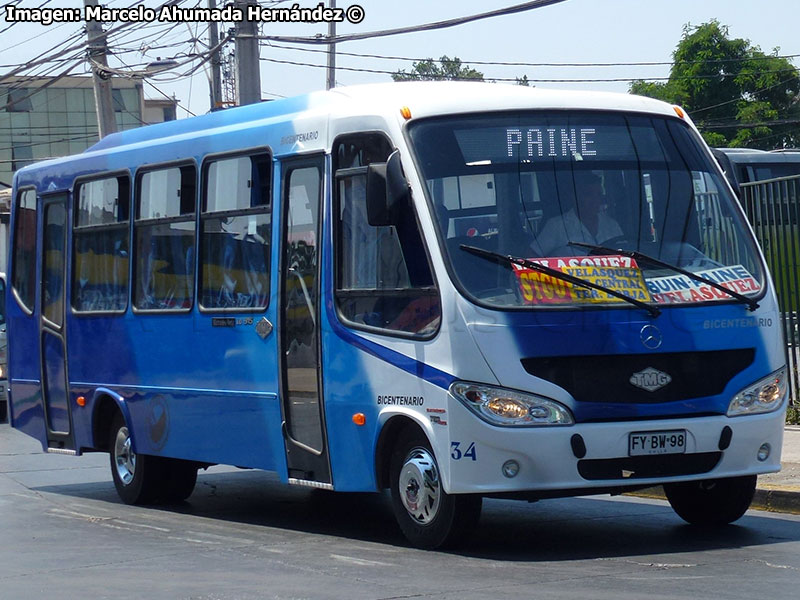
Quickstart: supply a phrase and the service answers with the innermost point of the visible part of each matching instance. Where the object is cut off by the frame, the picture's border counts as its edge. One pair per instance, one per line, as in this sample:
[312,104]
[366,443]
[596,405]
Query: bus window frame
[335,258]
[253,152]
[75,193]
[11,275]
[142,170]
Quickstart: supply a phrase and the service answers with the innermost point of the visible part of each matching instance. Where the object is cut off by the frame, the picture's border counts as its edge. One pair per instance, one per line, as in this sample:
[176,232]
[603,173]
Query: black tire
[138,477]
[713,501]
[437,518]
[180,479]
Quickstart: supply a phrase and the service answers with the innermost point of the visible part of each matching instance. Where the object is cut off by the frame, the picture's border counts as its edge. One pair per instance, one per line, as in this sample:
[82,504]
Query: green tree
[736,94]
[445,68]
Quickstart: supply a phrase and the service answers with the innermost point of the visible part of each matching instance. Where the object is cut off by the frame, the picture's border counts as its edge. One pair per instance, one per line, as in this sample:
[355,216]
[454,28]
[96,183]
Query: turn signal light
[359,419]
[80,401]
[406,112]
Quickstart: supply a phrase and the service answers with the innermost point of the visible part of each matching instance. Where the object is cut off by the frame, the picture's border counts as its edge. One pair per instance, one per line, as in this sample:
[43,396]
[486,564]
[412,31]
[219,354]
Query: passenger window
[235,230]
[383,277]
[24,254]
[100,245]
[54,255]
[164,239]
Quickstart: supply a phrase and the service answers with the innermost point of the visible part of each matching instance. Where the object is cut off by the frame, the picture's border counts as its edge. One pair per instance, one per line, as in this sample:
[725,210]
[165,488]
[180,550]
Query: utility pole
[331,82]
[248,78]
[216,78]
[103,99]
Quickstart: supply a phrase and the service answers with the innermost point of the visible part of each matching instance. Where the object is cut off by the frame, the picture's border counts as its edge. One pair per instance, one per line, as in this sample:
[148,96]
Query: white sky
[578,31]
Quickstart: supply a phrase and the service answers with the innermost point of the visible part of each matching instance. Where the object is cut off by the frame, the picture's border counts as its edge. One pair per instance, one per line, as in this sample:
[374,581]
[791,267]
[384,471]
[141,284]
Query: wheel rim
[124,456]
[420,491]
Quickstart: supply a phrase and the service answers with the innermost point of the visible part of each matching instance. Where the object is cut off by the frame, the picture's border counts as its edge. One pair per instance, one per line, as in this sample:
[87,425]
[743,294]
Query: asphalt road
[242,535]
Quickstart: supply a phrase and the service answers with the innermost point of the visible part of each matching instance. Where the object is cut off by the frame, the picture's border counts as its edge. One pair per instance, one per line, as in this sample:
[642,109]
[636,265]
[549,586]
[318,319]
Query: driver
[586,222]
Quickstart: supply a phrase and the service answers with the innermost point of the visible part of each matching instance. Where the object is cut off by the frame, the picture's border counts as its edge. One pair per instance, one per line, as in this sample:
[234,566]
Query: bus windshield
[547,186]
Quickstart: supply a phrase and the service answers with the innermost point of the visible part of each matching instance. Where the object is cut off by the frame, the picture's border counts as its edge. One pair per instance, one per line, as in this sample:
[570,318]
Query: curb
[772,499]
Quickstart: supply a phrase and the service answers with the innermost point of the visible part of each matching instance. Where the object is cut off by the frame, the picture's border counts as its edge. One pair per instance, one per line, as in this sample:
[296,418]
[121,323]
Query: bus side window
[24,256]
[164,239]
[235,230]
[100,238]
[383,277]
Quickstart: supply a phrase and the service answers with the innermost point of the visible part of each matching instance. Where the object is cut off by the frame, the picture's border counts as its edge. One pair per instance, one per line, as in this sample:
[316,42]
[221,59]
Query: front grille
[607,378]
[648,467]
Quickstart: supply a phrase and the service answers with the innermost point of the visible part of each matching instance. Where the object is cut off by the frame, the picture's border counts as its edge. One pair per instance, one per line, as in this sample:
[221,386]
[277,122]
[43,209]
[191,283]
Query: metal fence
[773,208]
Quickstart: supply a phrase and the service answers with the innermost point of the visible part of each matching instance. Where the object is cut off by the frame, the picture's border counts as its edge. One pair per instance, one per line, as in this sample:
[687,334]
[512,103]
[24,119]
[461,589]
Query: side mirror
[387,191]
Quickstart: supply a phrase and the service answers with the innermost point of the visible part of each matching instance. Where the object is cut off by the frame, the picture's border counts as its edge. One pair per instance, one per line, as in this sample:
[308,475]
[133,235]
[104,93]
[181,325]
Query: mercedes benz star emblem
[651,337]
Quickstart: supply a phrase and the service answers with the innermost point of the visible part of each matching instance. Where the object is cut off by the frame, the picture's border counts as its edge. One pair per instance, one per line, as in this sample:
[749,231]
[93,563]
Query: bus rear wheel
[427,515]
[137,477]
[712,501]
[180,479]
[142,478]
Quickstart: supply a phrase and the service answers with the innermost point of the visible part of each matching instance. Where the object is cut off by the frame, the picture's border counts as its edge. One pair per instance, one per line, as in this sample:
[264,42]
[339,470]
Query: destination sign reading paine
[538,142]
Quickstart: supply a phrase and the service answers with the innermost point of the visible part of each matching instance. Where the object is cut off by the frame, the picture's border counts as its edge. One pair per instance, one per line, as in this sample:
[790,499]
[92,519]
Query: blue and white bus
[448,290]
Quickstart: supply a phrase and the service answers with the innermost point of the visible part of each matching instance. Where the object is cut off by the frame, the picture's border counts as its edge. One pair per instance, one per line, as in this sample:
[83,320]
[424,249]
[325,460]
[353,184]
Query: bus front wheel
[712,501]
[428,516]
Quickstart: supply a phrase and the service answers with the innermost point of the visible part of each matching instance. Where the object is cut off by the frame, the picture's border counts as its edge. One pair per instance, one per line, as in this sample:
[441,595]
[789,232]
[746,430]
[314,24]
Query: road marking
[224,538]
[361,562]
[143,526]
[71,514]
[194,541]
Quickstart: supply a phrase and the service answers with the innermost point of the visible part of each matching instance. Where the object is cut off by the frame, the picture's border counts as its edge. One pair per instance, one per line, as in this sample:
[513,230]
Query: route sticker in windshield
[618,273]
[677,289]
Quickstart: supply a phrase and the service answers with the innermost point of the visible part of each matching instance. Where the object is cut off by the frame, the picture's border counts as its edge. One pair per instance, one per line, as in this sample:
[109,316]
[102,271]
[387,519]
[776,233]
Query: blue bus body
[308,383]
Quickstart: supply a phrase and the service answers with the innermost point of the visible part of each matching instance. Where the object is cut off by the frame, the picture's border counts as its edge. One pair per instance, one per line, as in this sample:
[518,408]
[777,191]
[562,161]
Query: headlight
[499,406]
[763,396]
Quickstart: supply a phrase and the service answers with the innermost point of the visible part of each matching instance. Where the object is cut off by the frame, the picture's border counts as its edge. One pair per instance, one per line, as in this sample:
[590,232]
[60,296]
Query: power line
[45,85]
[528,64]
[738,99]
[39,60]
[57,141]
[525,6]
[512,79]
[168,98]
[15,3]
[737,125]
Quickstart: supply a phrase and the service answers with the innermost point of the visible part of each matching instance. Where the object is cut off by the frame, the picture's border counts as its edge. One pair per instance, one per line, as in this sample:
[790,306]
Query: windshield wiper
[528,264]
[751,304]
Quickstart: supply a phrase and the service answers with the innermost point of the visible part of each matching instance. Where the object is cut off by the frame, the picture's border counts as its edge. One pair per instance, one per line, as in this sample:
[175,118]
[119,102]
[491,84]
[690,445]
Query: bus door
[52,330]
[299,313]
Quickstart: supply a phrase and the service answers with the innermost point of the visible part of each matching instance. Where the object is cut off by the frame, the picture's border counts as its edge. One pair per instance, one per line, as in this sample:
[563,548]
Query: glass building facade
[38,122]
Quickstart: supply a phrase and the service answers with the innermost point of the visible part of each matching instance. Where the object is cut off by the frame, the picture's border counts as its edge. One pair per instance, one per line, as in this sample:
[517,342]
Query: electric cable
[509,10]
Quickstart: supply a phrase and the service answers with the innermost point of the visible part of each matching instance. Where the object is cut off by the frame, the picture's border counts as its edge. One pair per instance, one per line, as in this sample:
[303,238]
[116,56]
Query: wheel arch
[106,405]
[392,429]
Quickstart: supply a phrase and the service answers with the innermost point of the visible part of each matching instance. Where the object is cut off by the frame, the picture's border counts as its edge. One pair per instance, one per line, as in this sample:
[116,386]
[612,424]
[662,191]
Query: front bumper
[548,462]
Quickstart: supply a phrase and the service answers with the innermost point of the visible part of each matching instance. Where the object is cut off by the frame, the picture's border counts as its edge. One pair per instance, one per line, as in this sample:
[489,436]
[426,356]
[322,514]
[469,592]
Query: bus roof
[424,99]
[751,155]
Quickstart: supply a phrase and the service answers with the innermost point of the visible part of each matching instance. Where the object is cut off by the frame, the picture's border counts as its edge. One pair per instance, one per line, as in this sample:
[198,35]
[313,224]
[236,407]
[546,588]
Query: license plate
[644,443]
